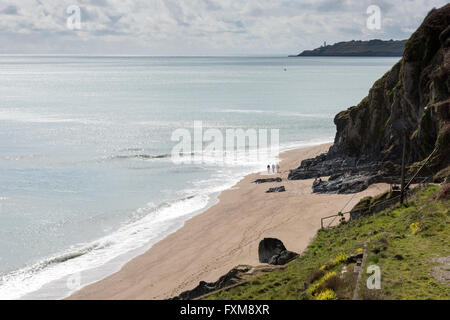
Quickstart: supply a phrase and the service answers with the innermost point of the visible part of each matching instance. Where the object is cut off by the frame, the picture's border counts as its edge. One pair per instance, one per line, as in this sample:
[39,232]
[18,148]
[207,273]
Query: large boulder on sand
[274,252]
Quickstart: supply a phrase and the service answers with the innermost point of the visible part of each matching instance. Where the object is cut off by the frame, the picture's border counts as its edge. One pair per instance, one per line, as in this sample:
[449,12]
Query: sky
[199,27]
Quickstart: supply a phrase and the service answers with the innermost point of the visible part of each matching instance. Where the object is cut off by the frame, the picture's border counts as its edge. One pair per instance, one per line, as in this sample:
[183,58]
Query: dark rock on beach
[411,102]
[277,189]
[283,258]
[267,180]
[273,251]
[229,279]
[268,248]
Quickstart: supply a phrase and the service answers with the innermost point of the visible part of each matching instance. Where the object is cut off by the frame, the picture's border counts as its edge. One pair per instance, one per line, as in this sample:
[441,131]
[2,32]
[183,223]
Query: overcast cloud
[200,27]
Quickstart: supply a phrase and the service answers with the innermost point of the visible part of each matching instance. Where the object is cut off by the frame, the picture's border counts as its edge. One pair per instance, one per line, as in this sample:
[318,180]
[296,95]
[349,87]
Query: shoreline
[205,247]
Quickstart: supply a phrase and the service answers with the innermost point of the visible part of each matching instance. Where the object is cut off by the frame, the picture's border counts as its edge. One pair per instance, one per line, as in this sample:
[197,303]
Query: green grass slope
[410,244]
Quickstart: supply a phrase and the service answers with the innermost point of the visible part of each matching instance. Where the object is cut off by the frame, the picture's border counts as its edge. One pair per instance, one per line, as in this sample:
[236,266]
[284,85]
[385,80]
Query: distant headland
[358,48]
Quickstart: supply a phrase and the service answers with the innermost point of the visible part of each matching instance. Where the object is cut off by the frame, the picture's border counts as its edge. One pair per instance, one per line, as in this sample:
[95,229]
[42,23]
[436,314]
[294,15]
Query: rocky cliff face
[411,100]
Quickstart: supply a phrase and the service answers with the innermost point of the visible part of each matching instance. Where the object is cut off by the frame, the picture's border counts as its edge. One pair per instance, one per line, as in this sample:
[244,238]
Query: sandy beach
[228,234]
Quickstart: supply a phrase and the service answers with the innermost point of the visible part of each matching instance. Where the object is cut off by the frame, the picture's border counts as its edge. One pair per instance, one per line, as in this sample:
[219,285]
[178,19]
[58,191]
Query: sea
[87,175]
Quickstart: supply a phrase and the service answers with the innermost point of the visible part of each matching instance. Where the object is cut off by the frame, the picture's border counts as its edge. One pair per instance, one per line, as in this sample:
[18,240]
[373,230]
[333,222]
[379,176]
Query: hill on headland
[372,48]
[409,107]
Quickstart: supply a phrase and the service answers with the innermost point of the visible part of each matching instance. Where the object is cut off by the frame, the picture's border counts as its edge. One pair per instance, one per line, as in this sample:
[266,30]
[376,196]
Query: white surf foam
[137,234]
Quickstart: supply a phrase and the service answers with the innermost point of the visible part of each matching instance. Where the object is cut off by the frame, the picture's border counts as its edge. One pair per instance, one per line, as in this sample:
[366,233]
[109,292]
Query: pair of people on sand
[277,167]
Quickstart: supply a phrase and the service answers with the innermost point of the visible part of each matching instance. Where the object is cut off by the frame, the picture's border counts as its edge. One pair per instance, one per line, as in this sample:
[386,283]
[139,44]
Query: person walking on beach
[278,168]
[268,168]
[273,168]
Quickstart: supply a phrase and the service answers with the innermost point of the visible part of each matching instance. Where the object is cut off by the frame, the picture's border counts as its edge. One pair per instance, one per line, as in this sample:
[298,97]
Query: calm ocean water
[85,180]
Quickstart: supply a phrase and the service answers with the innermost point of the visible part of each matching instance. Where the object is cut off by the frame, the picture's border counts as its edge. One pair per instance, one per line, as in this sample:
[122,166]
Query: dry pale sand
[227,235]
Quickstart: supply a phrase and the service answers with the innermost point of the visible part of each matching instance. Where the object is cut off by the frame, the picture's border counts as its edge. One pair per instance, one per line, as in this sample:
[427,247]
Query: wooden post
[402,195]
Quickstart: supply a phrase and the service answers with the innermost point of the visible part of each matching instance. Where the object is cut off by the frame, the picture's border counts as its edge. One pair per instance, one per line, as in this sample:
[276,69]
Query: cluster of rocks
[273,251]
[355,258]
[272,180]
[328,164]
[347,174]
